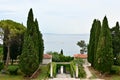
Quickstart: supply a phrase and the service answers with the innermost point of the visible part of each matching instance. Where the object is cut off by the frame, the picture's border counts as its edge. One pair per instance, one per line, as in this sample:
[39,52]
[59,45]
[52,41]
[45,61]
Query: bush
[115,70]
[82,73]
[1,66]
[13,69]
[54,69]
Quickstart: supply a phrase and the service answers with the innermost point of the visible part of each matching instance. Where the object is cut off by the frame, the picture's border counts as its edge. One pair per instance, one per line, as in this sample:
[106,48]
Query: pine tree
[104,50]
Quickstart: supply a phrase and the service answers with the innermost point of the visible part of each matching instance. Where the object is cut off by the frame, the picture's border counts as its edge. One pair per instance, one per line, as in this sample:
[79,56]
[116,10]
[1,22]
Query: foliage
[33,31]
[72,69]
[13,69]
[115,70]
[54,67]
[57,57]
[82,73]
[104,57]
[44,72]
[33,43]
[15,38]
[1,66]
[117,59]
[29,58]
[93,42]
[83,45]
[115,31]
[78,61]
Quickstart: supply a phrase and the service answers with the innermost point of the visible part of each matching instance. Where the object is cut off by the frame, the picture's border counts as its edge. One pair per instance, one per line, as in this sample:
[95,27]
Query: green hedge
[115,70]
[54,69]
[13,69]
[81,72]
[72,69]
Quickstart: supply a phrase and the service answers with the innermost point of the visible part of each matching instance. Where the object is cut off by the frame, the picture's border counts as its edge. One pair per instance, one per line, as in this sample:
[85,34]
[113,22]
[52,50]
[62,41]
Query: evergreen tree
[104,55]
[91,45]
[97,35]
[40,42]
[115,31]
[28,59]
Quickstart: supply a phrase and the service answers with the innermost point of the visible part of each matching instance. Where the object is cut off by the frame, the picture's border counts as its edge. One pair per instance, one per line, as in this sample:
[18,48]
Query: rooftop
[83,56]
[47,56]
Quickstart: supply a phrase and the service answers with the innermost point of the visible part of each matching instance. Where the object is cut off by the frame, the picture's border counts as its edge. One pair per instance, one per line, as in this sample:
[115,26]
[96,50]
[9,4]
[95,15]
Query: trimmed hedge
[54,69]
[81,72]
[13,69]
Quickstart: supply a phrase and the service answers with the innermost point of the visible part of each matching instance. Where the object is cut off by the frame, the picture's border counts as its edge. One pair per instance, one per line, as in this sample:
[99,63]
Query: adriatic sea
[67,42]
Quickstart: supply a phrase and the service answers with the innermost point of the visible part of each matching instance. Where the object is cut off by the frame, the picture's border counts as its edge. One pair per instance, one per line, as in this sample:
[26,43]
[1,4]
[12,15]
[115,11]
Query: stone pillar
[51,71]
[61,70]
[76,70]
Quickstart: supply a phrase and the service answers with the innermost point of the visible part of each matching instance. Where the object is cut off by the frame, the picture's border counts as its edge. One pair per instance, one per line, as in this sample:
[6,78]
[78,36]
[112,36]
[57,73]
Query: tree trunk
[8,56]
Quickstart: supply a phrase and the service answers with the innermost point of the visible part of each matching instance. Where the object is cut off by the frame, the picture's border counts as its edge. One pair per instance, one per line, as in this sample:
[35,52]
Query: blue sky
[62,16]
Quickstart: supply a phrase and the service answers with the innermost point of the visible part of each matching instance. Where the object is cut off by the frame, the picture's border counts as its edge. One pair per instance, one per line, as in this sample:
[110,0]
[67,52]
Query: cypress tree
[91,43]
[97,35]
[28,59]
[104,54]
[40,42]
[115,31]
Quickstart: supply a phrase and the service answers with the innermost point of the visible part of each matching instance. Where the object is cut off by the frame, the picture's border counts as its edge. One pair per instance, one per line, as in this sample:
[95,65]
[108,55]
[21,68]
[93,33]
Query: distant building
[47,58]
[81,56]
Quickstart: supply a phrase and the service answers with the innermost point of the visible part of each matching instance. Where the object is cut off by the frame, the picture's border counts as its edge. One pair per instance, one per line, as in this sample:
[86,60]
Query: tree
[29,58]
[82,44]
[13,35]
[115,31]
[96,36]
[104,53]
[61,52]
[40,42]
[91,43]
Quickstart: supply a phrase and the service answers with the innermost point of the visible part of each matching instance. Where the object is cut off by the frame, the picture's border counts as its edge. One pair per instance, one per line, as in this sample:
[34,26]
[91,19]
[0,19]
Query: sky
[62,16]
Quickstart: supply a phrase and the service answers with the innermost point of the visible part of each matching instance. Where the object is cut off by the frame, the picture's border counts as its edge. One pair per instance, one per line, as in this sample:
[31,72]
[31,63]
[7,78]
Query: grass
[44,69]
[107,77]
[10,77]
[42,76]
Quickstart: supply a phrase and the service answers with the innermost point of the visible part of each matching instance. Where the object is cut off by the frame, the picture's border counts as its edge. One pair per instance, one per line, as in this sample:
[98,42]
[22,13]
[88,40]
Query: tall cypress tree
[40,42]
[97,35]
[115,31]
[28,59]
[104,50]
[91,43]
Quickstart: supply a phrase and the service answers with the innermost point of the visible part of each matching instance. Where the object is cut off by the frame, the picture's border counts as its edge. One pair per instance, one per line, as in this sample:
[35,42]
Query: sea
[67,42]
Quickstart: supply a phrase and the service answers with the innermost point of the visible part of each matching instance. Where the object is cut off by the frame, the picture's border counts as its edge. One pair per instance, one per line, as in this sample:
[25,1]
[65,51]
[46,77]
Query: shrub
[82,73]
[13,69]
[1,66]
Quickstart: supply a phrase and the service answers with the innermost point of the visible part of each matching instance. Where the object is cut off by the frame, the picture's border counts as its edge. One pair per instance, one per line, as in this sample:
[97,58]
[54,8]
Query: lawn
[42,76]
